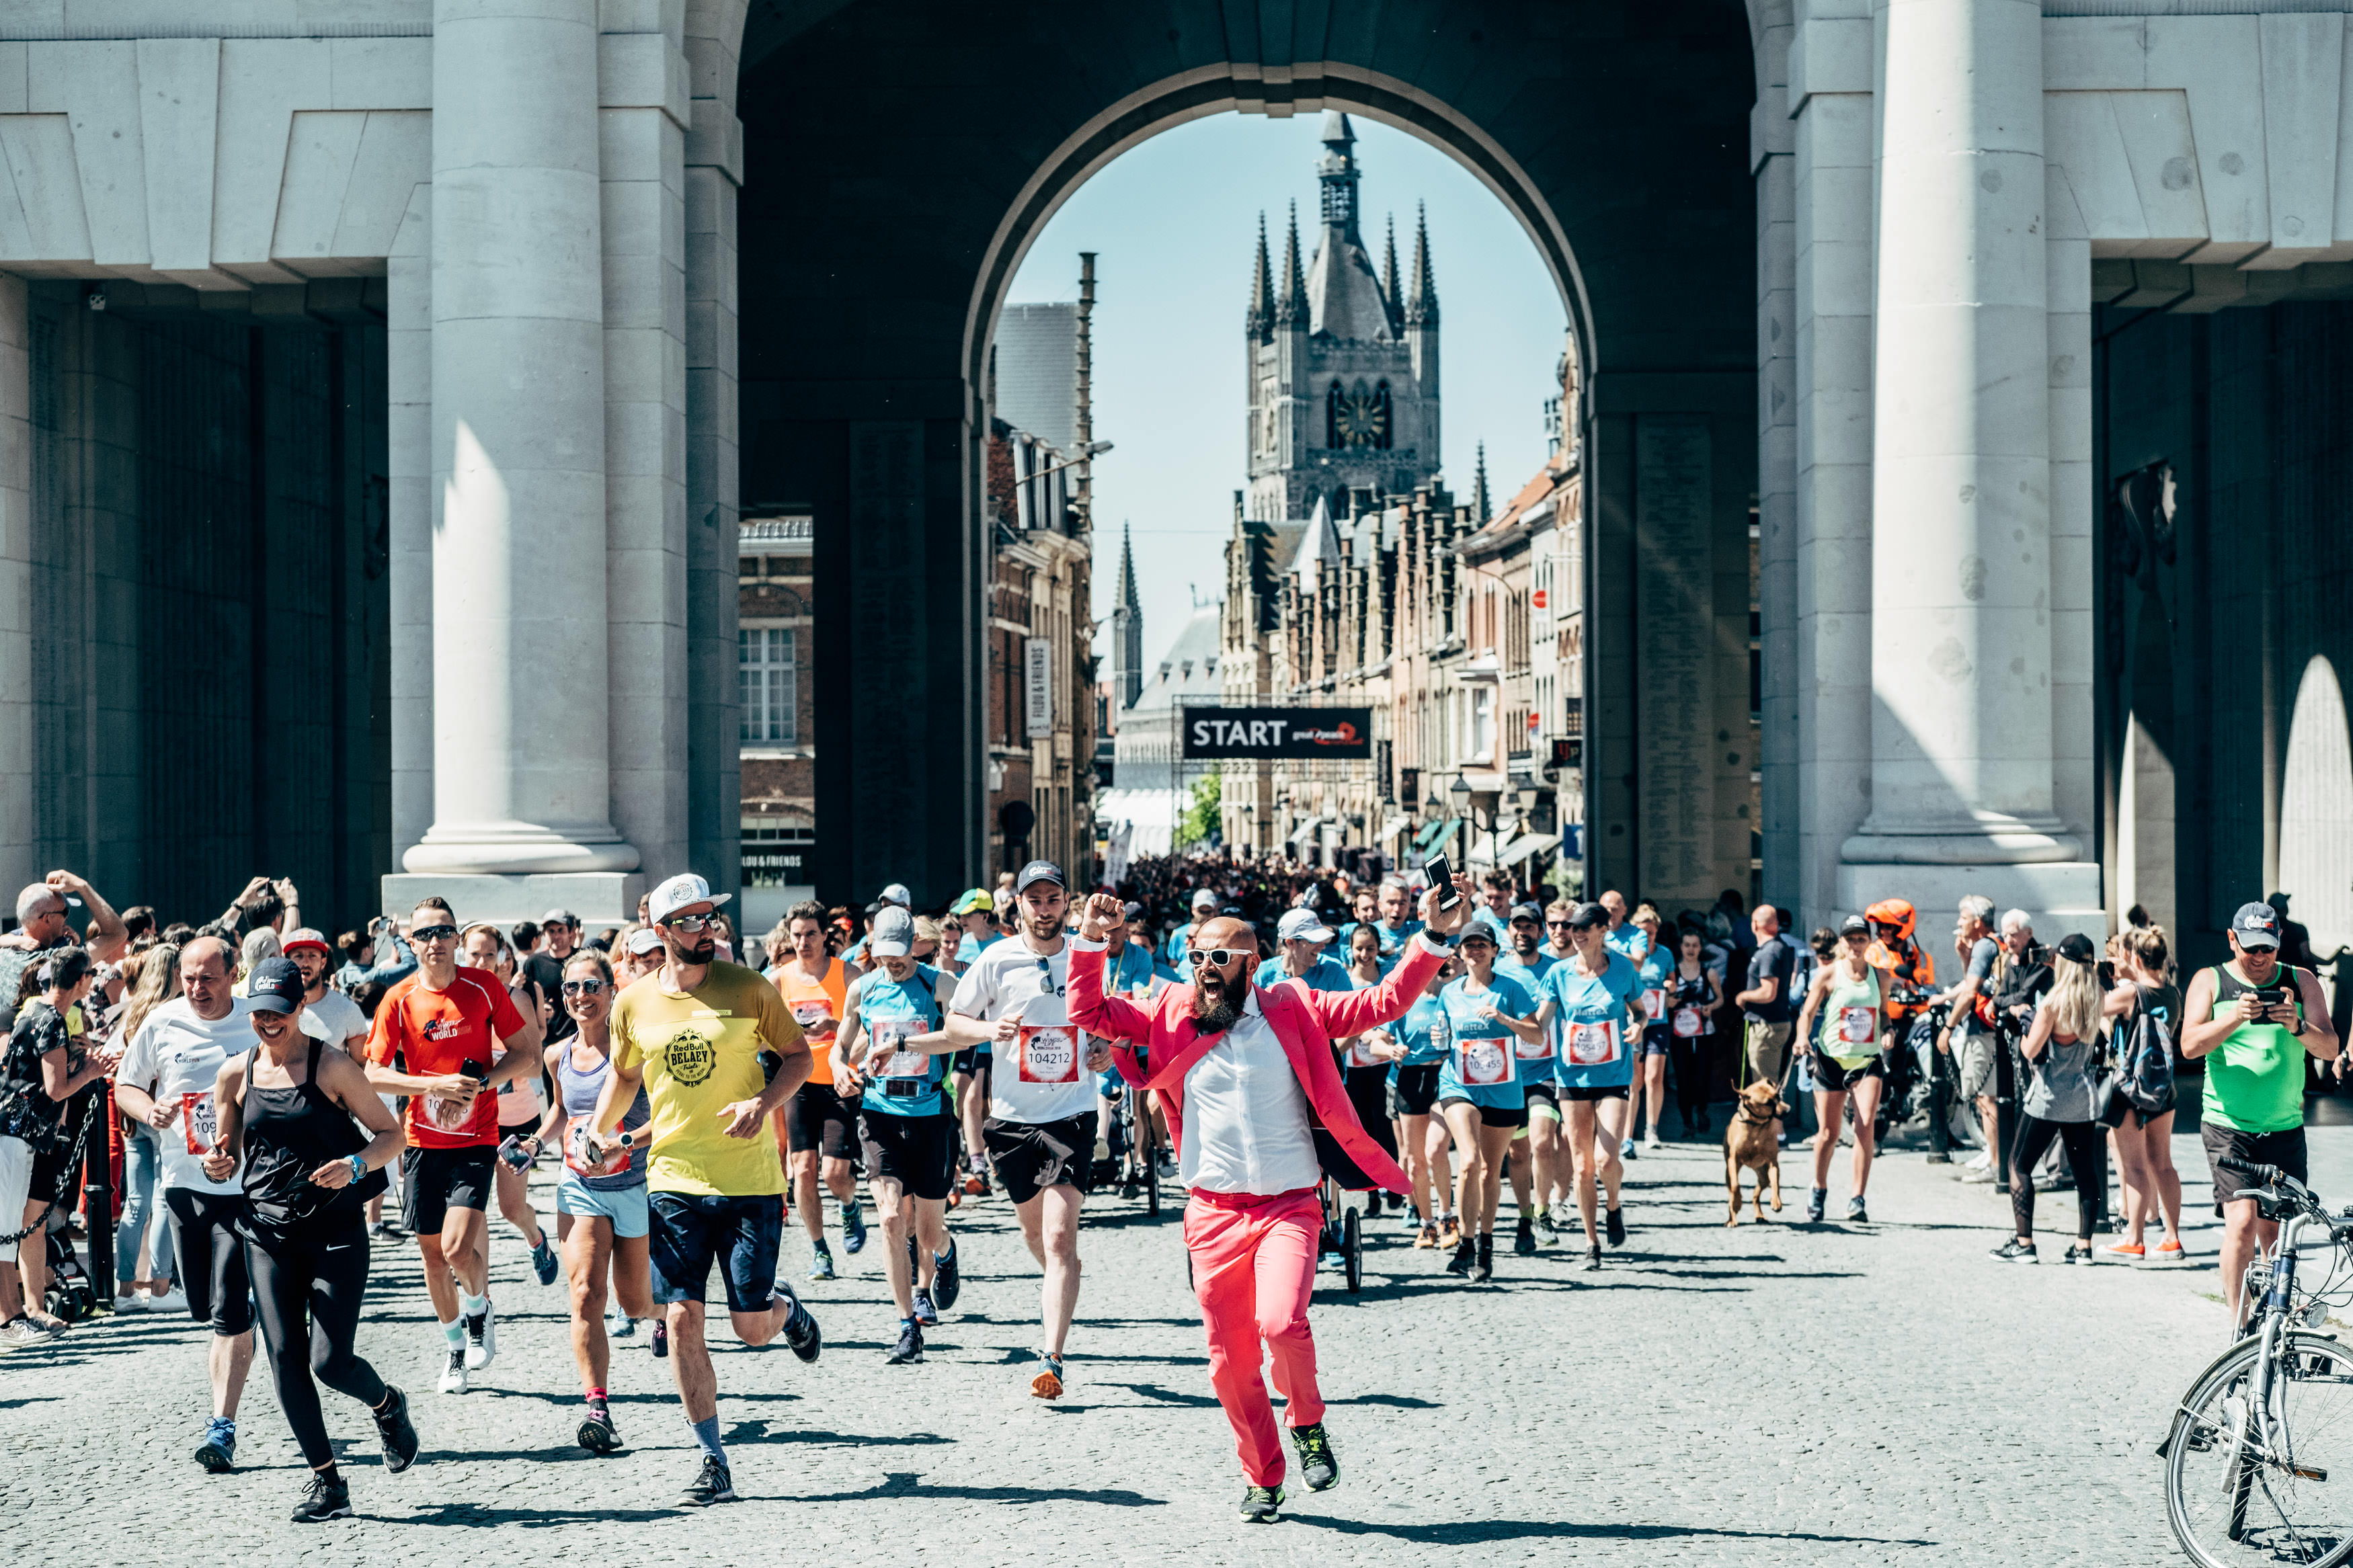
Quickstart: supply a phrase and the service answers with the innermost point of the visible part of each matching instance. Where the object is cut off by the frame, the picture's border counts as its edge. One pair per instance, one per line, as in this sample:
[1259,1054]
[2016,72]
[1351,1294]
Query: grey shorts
[1974,1055]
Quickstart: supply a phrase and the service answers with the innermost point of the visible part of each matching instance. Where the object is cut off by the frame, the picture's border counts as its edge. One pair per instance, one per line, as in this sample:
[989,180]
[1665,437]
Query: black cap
[1527,912]
[1588,915]
[1854,925]
[1038,871]
[2077,948]
[2255,926]
[275,986]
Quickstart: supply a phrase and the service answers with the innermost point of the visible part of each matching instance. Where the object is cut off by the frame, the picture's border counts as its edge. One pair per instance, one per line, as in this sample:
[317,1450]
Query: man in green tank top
[2253,1020]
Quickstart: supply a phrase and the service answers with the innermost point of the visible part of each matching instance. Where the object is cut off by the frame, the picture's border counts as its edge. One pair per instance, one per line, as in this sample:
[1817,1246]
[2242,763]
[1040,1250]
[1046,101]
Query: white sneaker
[1650,1140]
[1984,1162]
[1977,1176]
[482,1345]
[453,1375]
[134,1302]
[173,1300]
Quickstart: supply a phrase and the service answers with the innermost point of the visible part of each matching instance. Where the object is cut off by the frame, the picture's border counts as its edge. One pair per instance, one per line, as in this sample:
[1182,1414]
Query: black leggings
[2034,1136]
[312,1277]
[1690,1058]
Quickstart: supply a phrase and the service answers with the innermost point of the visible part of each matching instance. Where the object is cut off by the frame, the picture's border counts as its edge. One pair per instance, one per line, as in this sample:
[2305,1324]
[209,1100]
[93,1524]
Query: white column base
[2058,896]
[598,898]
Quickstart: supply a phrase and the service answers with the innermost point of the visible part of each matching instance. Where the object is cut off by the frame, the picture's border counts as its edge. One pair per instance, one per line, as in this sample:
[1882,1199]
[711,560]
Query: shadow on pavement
[907,1484]
[1473,1533]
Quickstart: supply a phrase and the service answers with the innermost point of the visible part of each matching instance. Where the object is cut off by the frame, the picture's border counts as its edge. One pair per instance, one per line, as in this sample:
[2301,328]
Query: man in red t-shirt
[436,1038]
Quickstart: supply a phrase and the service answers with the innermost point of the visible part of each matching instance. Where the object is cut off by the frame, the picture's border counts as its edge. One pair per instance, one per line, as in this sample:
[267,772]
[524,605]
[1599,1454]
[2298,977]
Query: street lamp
[1460,793]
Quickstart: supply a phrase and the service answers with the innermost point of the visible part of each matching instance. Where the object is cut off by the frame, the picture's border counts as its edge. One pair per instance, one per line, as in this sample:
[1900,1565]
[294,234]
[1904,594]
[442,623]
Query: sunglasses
[689,924]
[582,987]
[1215,957]
[433,933]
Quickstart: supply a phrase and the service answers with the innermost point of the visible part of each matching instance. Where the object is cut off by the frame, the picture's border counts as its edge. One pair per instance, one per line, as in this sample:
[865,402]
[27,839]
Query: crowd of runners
[1285,1045]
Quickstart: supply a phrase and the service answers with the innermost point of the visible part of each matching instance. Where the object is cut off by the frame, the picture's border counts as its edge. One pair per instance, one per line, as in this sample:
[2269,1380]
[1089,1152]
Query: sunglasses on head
[689,924]
[433,933]
[582,987]
[1215,957]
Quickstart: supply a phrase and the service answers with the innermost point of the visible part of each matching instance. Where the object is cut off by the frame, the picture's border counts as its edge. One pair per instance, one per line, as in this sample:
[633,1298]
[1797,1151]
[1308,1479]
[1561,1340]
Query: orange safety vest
[1879,955]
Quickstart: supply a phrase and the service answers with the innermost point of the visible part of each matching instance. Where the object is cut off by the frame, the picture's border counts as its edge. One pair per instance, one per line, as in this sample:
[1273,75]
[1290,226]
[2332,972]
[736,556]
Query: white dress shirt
[1246,1126]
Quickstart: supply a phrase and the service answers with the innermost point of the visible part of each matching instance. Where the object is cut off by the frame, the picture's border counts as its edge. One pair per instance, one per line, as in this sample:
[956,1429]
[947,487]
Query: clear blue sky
[1174,223]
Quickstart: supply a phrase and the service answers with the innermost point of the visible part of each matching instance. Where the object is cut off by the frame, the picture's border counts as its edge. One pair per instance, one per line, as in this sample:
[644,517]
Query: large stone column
[520,772]
[1960,567]
[18,853]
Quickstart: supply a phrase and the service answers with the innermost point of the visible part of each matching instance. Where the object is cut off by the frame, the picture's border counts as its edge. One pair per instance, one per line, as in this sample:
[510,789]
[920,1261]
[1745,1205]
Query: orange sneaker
[2168,1252]
[1048,1384]
[2125,1252]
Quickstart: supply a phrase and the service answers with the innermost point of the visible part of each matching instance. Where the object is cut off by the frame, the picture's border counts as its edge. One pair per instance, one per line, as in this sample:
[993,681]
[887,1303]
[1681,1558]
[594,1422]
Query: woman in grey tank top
[2057,1102]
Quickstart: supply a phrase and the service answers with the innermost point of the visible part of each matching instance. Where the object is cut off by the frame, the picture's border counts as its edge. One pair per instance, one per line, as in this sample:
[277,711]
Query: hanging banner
[1038,686]
[1296,734]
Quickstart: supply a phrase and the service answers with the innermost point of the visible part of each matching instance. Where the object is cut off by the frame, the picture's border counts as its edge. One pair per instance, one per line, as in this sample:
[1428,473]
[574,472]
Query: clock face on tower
[1359,418]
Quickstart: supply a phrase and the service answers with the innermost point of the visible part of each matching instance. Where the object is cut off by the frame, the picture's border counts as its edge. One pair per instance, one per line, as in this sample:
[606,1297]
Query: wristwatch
[359,1169]
[1437,939]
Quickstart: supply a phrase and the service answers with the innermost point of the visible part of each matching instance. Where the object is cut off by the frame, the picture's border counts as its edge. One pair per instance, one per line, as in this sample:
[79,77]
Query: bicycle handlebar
[2263,1176]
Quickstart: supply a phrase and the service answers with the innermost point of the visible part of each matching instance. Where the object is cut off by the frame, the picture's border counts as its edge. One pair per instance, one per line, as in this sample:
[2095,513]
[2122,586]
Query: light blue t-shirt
[1483,1045]
[1537,1068]
[1593,1002]
[1324,975]
[1493,922]
[1628,939]
[1424,1032]
[973,946]
[889,1010]
[1130,967]
[1392,941]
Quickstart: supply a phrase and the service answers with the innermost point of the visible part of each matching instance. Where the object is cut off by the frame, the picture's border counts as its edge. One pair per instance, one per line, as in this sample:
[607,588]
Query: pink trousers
[1254,1270]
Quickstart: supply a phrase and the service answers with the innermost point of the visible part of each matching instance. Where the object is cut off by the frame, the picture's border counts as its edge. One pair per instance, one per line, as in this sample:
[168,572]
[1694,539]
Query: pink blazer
[1306,1022]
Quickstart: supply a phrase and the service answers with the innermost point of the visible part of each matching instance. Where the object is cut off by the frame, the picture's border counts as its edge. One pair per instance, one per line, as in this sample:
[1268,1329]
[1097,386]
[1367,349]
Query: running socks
[454,1331]
[706,1432]
[471,1306]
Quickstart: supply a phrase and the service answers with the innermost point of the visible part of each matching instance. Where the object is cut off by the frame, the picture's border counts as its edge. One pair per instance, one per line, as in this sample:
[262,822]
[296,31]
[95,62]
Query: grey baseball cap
[893,935]
[2256,925]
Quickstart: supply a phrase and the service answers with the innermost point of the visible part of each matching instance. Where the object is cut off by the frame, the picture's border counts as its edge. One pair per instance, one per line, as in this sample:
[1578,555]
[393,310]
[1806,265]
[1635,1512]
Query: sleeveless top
[581,1089]
[2059,1082]
[290,1133]
[1850,1017]
[2255,1079]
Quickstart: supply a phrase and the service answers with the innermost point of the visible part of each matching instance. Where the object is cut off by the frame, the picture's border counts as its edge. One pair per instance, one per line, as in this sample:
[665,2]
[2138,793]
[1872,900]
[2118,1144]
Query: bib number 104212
[1050,1053]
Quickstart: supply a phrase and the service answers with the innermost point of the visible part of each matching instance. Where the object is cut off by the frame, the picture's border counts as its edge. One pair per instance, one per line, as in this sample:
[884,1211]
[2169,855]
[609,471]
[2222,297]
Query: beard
[702,954]
[1213,1007]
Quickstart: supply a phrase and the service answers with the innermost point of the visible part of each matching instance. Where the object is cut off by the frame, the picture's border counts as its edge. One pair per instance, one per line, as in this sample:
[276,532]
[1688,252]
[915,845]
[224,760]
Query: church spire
[1291,306]
[1421,301]
[1389,274]
[1262,305]
[1127,599]
[1336,171]
[1479,502]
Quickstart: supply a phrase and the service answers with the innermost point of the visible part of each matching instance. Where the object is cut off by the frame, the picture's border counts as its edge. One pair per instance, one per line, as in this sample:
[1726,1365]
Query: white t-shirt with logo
[340,1018]
[1041,1077]
[176,1057]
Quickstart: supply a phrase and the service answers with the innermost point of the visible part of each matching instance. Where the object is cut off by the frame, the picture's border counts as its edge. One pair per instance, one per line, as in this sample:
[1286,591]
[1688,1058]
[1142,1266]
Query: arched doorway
[2316,846]
[901,154]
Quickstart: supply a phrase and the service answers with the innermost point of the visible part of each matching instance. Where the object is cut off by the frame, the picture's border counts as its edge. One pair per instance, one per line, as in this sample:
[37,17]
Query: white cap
[1301,925]
[893,935]
[645,939]
[681,890]
[896,893]
[1204,899]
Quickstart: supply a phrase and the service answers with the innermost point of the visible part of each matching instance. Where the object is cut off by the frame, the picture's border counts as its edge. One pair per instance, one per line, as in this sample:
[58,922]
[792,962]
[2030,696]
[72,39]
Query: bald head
[1227,931]
[205,964]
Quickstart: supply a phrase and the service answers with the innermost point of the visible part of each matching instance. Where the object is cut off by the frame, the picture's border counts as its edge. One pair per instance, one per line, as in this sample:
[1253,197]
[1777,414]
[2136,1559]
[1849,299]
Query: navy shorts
[690,1231]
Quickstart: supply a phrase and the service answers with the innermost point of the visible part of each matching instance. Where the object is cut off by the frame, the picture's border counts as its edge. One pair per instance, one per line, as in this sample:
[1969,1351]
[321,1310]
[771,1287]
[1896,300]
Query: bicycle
[2261,1430]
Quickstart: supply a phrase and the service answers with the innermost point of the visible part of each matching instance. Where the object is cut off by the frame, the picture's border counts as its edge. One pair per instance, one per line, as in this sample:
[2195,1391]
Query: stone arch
[2315,842]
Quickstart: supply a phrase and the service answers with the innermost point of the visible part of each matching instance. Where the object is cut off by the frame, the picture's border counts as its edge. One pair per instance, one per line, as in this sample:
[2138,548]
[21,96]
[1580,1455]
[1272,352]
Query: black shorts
[1838,1079]
[435,1181]
[1543,1091]
[917,1151]
[816,1118]
[1492,1115]
[1592,1091]
[687,1232]
[971,1060]
[1028,1157]
[1414,1092]
[211,1257]
[2284,1149]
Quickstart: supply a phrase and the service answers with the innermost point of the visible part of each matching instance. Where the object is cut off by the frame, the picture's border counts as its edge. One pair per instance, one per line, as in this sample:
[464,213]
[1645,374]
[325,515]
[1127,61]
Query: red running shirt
[433,1033]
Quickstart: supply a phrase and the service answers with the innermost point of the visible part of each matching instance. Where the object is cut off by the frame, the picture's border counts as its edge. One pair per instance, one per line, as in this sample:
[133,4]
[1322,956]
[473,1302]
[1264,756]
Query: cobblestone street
[1862,1394]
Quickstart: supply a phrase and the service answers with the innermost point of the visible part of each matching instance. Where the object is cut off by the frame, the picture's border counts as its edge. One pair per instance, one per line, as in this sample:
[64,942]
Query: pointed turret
[1421,293]
[1389,277]
[1126,630]
[1479,502]
[1127,599]
[1290,305]
[1262,303]
[1336,172]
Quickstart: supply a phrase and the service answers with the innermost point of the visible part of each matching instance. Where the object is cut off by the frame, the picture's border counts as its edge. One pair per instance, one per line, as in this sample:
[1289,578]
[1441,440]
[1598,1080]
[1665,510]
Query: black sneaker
[2016,1251]
[598,1433]
[1318,1465]
[926,1315]
[396,1431]
[910,1347]
[1482,1265]
[1817,1199]
[948,1282]
[1613,1225]
[1523,1244]
[711,1484]
[800,1329]
[1857,1211]
[2079,1252]
[661,1339]
[1466,1252]
[327,1496]
[1259,1504]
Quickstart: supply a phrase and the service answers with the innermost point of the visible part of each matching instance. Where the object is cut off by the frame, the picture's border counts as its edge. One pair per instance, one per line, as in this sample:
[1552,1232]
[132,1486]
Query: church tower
[1343,372]
[1127,632]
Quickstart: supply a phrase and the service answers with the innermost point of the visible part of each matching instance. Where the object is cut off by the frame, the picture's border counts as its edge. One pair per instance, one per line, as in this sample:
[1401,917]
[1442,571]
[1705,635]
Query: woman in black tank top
[287,1108]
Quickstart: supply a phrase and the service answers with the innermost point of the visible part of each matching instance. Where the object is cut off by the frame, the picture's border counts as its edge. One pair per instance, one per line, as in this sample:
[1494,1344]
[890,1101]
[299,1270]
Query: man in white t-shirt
[166,1080]
[1040,1131]
[346,1025]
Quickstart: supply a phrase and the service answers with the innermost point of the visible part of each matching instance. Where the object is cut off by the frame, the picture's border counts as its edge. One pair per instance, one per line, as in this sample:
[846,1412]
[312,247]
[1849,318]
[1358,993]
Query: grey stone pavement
[1864,1394]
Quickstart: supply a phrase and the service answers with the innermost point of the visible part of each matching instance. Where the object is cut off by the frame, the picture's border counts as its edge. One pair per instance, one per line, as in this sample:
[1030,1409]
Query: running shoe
[2124,1252]
[853,1230]
[1482,1265]
[1857,1212]
[948,1282]
[1466,1252]
[596,1431]
[1332,1261]
[173,1301]
[927,1315]
[1524,1245]
[327,1496]
[481,1338]
[1817,1198]
[1318,1465]
[821,1262]
[394,1430]
[1428,1239]
[1259,1504]
[1976,1175]
[800,1329]
[218,1452]
[453,1377]
[2015,1251]
[1613,1225]
[1411,1223]
[385,1230]
[910,1347]
[711,1484]
[661,1339]
[1547,1233]
[1449,1231]
[543,1261]
[2078,1252]
[2168,1252]
[620,1326]
[1651,1140]
[975,1177]
[1048,1384]
[1593,1258]
[1626,1150]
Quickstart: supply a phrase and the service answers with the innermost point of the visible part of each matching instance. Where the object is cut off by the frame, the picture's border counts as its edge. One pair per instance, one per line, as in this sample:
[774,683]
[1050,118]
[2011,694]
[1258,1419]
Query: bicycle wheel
[1152,1183]
[2241,1489]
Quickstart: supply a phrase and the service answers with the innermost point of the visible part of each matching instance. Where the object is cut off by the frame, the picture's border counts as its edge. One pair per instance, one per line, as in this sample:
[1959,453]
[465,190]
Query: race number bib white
[1689,1024]
[198,1121]
[1592,1045]
[1539,1049]
[1482,1061]
[447,1115]
[813,1017]
[1050,1053]
[1360,1052]
[890,1057]
[1859,1025]
[1654,1004]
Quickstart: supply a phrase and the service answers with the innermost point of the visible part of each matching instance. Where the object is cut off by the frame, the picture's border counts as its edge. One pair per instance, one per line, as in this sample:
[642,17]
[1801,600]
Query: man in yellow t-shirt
[694,1034]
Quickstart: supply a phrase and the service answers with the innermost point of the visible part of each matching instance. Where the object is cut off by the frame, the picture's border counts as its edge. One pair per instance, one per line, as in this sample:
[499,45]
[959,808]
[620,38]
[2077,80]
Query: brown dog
[1753,1141]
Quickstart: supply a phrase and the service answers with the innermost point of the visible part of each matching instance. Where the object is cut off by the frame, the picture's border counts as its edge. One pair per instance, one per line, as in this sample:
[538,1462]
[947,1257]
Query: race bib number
[1654,1004]
[815,1017]
[1360,1052]
[889,1057]
[199,1122]
[1050,1053]
[1859,1025]
[1689,1024]
[1537,1050]
[1484,1061]
[1593,1045]
[446,1115]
